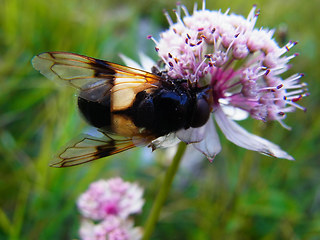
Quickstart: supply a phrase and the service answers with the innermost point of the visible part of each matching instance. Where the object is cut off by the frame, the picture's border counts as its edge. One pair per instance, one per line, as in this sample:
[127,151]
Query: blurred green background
[241,195]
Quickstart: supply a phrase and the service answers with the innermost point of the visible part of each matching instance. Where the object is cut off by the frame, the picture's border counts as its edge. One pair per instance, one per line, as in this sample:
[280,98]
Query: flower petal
[210,145]
[146,62]
[165,141]
[129,62]
[239,136]
[234,113]
[192,135]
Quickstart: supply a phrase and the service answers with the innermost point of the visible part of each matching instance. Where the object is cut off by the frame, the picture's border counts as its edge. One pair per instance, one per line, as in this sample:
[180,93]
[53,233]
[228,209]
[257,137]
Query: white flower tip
[210,145]
[146,62]
[291,158]
[278,153]
[129,62]
[211,158]
[239,136]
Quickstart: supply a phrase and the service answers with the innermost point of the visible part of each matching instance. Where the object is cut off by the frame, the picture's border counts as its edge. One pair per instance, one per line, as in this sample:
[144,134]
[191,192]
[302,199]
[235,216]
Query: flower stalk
[163,192]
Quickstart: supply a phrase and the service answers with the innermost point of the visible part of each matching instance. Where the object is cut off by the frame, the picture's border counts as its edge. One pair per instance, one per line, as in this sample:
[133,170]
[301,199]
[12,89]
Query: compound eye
[201,113]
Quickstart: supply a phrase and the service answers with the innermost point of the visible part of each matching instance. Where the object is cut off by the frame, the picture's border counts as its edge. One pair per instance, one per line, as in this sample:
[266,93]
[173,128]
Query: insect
[130,107]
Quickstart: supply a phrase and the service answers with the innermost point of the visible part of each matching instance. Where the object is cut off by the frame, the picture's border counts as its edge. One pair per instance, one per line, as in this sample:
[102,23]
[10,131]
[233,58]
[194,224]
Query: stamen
[198,68]
[237,35]
[169,19]
[279,70]
[203,37]
[292,93]
[195,7]
[297,106]
[288,58]
[203,5]
[152,38]
[226,52]
[179,9]
[280,86]
[293,81]
[177,13]
[295,86]
[267,72]
[296,99]
[253,16]
[287,47]
[257,13]
[273,89]
[226,12]
[283,124]
[185,10]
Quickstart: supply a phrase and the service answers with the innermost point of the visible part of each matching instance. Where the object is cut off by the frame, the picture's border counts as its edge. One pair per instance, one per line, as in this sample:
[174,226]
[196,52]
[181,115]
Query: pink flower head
[111,228]
[241,64]
[113,197]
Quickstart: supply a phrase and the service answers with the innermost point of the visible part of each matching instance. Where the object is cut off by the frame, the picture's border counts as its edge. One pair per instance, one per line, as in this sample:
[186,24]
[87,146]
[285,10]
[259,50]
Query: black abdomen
[96,113]
[94,104]
[162,112]
[158,113]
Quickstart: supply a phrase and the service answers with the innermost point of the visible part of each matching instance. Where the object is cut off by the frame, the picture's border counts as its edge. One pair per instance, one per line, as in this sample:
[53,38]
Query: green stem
[163,192]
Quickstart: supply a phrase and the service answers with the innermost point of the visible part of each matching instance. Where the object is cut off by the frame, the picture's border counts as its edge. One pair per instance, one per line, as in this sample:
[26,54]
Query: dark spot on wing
[102,68]
[106,150]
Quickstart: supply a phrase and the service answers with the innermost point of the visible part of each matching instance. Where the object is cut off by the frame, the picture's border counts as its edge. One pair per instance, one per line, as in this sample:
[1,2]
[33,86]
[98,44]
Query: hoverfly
[130,107]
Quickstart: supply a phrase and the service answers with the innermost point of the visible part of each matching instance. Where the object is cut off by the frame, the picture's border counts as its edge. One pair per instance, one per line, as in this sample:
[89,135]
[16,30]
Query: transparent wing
[88,148]
[85,72]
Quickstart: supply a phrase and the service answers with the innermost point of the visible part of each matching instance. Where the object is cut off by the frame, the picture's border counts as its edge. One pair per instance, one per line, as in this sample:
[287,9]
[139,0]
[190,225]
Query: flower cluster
[111,198]
[111,228]
[242,65]
[110,202]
